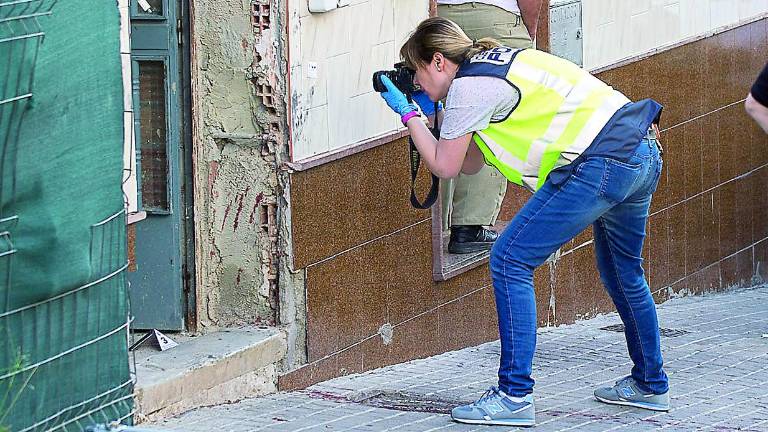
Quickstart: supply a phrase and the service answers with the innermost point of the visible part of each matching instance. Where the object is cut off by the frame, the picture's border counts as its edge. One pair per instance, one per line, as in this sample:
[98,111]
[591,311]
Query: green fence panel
[63,300]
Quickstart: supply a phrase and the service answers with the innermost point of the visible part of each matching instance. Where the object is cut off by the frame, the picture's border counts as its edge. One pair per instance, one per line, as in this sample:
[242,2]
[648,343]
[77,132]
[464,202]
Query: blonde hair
[441,35]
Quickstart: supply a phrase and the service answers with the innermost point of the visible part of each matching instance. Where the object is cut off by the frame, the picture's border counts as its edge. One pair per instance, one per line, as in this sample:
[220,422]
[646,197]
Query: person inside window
[471,203]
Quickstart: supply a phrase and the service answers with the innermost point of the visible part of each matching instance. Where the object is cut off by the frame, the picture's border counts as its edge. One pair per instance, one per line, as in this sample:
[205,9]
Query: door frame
[189,267]
[179,148]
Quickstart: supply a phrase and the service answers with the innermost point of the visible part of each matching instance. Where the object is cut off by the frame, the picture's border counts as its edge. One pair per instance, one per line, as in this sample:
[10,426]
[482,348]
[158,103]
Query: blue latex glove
[426,105]
[396,99]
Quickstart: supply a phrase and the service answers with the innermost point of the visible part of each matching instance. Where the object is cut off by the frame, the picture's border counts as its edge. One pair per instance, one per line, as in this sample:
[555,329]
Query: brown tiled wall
[368,255]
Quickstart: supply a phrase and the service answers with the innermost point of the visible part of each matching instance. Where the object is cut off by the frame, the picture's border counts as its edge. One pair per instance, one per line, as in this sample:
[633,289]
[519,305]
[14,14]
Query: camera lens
[377,84]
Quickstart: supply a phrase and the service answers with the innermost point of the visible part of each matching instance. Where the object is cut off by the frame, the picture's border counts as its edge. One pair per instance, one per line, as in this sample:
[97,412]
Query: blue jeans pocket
[619,179]
[657,177]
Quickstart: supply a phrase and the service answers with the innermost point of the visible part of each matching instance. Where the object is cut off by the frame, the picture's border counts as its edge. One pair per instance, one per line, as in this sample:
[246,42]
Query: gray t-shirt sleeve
[473,102]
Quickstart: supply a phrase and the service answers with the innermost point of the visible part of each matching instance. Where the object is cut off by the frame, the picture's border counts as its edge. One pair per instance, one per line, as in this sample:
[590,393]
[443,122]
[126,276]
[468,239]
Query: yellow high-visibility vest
[562,109]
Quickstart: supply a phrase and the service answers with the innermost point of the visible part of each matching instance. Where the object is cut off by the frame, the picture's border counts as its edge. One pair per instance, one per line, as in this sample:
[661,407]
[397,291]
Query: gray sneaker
[625,392]
[496,408]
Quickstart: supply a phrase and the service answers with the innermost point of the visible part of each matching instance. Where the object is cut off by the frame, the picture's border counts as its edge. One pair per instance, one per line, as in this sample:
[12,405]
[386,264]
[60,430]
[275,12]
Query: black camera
[401,76]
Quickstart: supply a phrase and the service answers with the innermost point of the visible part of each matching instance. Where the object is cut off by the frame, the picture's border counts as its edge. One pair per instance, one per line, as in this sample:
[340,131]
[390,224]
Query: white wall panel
[310,129]
[694,19]
[670,24]
[334,105]
[325,35]
[340,123]
[615,30]
[750,8]
[407,14]
[723,12]
[370,117]
[311,92]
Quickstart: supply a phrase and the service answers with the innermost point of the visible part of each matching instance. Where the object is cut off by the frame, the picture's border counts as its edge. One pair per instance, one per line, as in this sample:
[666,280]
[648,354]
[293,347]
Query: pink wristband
[409,116]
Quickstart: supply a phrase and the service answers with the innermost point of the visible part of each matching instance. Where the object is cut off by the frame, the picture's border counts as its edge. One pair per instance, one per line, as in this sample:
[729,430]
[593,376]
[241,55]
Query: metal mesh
[25,8]
[62,349]
[63,354]
[20,38]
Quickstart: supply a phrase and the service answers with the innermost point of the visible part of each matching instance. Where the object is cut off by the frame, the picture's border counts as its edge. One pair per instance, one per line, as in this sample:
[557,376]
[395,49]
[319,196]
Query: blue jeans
[613,196]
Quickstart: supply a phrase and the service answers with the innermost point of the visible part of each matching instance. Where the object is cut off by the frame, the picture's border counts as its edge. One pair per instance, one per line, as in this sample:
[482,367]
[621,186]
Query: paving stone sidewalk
[715,351]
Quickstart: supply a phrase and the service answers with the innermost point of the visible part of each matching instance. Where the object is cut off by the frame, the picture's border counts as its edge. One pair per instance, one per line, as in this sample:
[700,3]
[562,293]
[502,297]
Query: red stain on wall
[259,198]
[240,207]
[213,173]
[226,213]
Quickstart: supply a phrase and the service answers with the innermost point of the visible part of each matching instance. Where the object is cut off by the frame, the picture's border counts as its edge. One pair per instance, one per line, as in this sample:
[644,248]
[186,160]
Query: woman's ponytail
[481,45]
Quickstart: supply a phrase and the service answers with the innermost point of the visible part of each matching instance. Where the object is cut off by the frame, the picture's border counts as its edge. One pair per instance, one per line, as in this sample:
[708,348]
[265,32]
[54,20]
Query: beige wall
[615,30]
[332,58]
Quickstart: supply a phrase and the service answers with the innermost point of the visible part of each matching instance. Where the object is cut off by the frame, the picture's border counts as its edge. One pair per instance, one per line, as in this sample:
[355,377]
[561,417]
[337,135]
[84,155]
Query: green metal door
[156,284]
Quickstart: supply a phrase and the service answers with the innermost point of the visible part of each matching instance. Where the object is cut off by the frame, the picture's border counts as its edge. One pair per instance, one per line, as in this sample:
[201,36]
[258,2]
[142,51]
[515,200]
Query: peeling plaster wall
[237,126]
[292,307]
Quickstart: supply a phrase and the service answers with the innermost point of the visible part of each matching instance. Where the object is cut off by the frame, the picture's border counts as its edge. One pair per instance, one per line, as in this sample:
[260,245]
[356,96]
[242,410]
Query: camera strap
[415,163]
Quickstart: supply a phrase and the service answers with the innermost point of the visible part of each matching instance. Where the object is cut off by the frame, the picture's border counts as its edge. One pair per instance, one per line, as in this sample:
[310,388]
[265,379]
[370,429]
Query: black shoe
[470,238]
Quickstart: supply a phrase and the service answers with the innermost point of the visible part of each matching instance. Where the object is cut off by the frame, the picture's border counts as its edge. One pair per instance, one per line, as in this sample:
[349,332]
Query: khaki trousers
[476,199]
